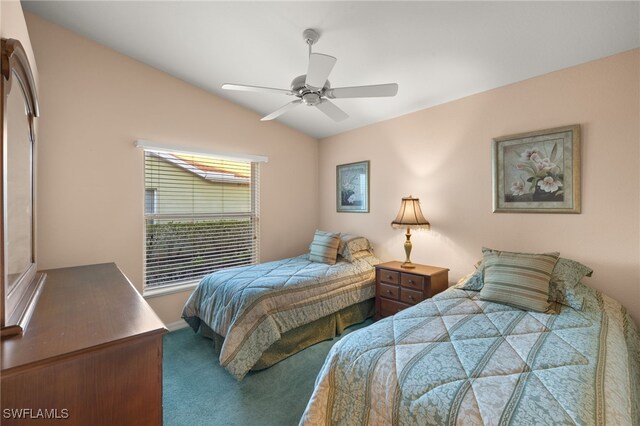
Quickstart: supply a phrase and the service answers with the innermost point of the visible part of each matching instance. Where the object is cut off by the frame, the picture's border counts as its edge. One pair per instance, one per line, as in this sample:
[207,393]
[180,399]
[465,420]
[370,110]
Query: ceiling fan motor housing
[311,99]
[299,88]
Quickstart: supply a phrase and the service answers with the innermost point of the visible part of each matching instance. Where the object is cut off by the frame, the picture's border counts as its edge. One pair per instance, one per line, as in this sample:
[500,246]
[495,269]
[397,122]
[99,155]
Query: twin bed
[261,314]
[455,359]
[452,359]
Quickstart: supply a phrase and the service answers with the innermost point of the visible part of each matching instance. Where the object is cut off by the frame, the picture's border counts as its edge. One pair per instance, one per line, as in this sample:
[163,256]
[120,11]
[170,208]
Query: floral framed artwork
[537,172]
[352,187]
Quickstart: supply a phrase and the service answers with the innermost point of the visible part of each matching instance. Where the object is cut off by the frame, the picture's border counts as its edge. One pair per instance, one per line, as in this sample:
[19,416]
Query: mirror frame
[17,305]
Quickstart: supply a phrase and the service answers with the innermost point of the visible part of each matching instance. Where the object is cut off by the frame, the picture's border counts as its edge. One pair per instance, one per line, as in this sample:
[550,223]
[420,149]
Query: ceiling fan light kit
[314,89]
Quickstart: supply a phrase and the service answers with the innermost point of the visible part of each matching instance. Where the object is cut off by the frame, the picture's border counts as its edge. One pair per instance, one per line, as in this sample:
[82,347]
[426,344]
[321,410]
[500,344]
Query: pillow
[518,279]
[474,281]
[362,254]
[565,281]
[324,247]
[328,234]
[352,244]
[567,273]
[576,297]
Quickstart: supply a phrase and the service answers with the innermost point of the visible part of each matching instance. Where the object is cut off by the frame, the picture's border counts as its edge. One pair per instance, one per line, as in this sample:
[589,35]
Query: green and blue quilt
[458,360]
[252,306]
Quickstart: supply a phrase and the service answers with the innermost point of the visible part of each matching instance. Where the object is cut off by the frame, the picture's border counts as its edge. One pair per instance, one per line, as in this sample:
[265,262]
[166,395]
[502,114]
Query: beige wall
[442,155]
[95,103]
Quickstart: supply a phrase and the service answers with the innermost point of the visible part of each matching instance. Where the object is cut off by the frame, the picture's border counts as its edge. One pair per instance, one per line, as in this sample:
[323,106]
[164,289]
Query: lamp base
[407,250]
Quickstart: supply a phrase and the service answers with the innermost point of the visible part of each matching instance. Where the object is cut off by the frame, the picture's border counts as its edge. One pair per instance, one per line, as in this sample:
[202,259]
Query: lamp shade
[410,215]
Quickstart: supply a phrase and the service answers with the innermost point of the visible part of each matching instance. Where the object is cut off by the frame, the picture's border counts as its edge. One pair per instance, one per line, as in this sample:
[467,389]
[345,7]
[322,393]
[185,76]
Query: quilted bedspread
[252,306]
[455,359]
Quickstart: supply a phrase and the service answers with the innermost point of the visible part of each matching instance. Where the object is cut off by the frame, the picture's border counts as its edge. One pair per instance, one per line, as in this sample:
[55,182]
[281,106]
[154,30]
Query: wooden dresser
[90,355]
[398,288]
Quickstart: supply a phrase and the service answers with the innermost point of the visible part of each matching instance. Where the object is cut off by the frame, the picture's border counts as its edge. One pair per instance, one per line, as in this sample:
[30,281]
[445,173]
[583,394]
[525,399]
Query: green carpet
[197,391]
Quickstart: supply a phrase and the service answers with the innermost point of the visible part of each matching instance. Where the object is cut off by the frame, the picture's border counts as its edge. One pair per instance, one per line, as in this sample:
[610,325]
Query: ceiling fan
[313,88]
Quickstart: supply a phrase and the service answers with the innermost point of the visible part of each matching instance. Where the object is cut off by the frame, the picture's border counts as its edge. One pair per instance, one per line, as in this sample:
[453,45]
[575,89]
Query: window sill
[169,289]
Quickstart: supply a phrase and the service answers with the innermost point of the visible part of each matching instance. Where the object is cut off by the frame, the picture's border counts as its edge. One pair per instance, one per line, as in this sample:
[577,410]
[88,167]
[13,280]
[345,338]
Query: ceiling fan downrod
[310,37]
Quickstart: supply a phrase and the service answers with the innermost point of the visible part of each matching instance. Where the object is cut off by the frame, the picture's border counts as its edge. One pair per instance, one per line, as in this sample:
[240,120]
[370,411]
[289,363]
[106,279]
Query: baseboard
[176,325]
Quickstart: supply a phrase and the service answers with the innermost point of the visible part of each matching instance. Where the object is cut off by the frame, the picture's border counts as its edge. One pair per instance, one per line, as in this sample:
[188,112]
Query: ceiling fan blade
[320,67]
[277,113]
[377,90]
[332,110]
[245,88]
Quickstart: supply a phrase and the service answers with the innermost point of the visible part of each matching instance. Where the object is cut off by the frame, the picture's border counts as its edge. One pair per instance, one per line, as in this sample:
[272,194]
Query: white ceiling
[435,51]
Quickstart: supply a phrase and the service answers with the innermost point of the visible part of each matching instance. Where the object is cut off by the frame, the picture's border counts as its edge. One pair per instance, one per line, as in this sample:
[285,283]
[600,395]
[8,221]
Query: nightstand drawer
[387,276]
[389,291]
[412,281]
[411,296]
[390,307]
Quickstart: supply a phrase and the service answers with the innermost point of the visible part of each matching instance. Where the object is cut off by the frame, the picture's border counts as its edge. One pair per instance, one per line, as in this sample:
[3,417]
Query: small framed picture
[537,172]
[352,187]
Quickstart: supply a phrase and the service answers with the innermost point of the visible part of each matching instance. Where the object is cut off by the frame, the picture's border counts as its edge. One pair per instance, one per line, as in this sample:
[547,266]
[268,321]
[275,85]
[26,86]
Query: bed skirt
[293,341]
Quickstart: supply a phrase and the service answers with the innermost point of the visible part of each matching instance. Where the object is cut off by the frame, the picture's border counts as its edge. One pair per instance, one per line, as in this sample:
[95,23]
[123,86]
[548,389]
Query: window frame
[253,214]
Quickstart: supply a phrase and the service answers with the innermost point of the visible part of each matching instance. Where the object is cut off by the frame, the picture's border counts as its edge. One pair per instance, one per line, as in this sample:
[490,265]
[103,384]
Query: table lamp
[410,216]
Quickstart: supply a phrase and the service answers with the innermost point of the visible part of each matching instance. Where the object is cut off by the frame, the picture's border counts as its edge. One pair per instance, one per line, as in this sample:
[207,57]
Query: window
[201,215]
[150,201]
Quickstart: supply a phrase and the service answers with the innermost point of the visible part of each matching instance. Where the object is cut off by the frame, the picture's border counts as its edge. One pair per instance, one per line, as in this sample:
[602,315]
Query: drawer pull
[410,297]
[410,281]
[389,277]
[388,291]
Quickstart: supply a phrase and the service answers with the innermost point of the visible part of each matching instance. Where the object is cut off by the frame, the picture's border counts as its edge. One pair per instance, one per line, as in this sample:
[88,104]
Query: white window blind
[201,215]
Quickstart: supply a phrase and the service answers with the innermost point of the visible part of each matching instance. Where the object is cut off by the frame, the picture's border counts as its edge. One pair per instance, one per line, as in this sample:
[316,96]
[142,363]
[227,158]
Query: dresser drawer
[389,291]
[387,276]
[391,307]
[411,296]
[412,281]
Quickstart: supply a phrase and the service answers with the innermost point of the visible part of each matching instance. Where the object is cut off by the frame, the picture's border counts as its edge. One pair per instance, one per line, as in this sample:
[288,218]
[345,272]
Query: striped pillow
[324,247]
[518,279]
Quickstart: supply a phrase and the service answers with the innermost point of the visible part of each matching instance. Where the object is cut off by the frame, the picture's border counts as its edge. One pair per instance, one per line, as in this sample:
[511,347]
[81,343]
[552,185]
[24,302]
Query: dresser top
[419,269]
[80,308]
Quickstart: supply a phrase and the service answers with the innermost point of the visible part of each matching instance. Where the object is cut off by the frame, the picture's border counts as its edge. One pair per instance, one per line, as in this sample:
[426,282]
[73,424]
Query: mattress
[252,306]
[455,359]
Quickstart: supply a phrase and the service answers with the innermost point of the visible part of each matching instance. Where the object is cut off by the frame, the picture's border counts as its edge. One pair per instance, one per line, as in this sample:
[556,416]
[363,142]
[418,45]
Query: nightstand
[398,288]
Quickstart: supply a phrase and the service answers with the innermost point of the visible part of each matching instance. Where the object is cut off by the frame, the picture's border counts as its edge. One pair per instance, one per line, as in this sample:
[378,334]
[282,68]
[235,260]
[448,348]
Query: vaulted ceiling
[435,51]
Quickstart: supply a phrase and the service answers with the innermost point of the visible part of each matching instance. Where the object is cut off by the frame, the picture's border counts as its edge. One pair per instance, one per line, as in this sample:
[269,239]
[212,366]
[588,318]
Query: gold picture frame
[537,172]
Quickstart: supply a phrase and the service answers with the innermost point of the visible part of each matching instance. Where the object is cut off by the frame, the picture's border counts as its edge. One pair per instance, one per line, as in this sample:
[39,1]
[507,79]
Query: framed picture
[537,172]
[352,187]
